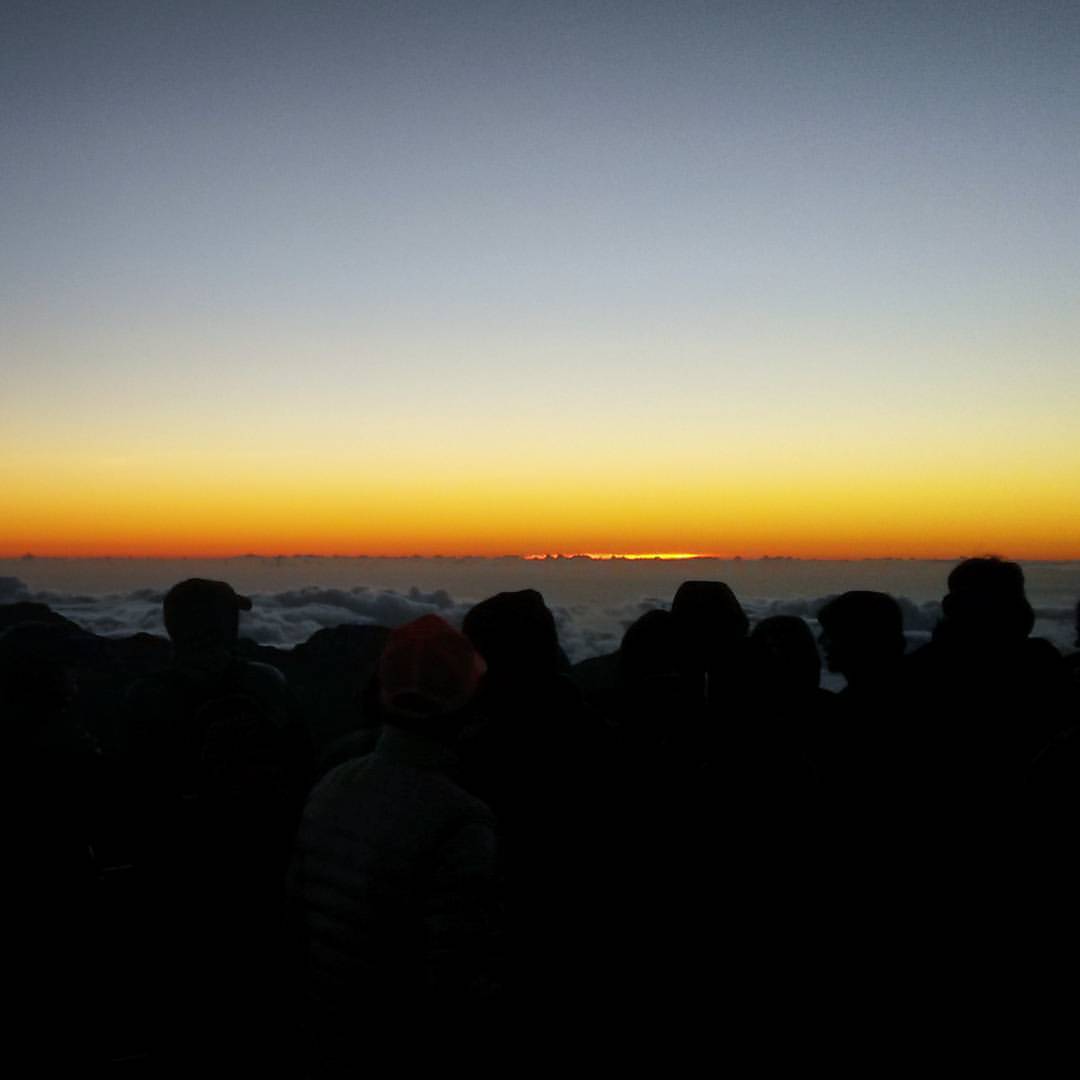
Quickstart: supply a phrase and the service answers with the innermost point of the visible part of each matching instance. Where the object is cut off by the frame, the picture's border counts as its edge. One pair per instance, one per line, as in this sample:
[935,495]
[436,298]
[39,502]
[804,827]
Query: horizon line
[591,556]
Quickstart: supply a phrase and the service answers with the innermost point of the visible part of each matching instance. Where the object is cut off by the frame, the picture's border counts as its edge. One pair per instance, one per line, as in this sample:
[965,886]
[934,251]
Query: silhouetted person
[992,698]
[394,870]
[536,757]
[785,671]
[862,638]
[866,783]
[710,627]
[784,650]
[52,775]
[515,633]
[862,635]
[986,605]
[794,743]
[223,758]
[181,720]
[529,707]
[649,649]
[49,754]
[656,700]
[1052,792]
[664,857]
[996,693]
[1073,659]
[773,747]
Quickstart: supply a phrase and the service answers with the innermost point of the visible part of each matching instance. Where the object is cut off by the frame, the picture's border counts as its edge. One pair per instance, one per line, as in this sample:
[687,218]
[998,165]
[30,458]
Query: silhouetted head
[428,673]
[202,615]
[36,662]
[784,655]
[986,602]
[515,633]
[649,649]
[708,621]
[861,632]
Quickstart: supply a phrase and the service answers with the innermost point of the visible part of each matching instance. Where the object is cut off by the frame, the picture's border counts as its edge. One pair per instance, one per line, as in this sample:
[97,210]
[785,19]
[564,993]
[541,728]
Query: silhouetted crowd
[233,860]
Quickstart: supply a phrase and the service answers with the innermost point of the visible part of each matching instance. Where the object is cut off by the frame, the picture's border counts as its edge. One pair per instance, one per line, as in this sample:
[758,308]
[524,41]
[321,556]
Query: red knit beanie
[428,669]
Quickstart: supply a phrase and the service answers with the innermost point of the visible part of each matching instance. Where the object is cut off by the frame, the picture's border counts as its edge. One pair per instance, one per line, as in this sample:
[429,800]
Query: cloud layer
[291,616]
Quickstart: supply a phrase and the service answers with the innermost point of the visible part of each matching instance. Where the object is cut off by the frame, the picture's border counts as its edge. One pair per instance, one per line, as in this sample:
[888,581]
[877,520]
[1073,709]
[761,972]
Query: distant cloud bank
[289,617]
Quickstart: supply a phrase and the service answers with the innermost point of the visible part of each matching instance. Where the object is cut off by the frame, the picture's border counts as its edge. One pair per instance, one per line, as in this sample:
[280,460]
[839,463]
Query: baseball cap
[199,609]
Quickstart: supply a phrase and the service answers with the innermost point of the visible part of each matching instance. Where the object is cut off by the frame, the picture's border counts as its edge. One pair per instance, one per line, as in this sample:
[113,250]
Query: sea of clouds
[587,627]
[291,616]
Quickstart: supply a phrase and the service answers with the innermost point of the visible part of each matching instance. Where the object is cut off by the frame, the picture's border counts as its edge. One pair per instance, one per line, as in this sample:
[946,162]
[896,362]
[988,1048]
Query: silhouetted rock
[332,675]
[26,611]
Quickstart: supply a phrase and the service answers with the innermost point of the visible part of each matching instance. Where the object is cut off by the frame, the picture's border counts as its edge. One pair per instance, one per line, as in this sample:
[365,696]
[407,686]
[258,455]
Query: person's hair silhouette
[515,633]
[784,655]
[862,634]
[986,602]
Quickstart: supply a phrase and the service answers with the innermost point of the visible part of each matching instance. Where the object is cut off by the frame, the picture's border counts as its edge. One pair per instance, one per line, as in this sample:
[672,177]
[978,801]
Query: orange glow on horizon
[873,548]
[211,508]
[604,556]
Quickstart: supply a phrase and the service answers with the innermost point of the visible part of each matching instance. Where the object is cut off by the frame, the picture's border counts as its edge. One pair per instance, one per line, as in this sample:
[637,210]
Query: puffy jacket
[393,881]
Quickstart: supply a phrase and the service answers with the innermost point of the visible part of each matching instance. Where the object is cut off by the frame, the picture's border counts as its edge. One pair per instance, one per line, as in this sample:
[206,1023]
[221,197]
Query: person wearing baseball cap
[221,761]
[202,615]
[171,713]
[202,619]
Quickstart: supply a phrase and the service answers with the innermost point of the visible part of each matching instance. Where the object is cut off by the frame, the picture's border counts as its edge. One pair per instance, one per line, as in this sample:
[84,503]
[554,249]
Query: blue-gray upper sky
[670,218]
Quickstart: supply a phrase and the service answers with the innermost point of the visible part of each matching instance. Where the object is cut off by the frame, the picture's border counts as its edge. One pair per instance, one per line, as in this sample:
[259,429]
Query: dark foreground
[229,858]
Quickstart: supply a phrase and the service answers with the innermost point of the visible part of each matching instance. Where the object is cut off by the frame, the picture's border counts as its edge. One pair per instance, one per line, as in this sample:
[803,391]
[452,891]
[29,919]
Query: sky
[463,278]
